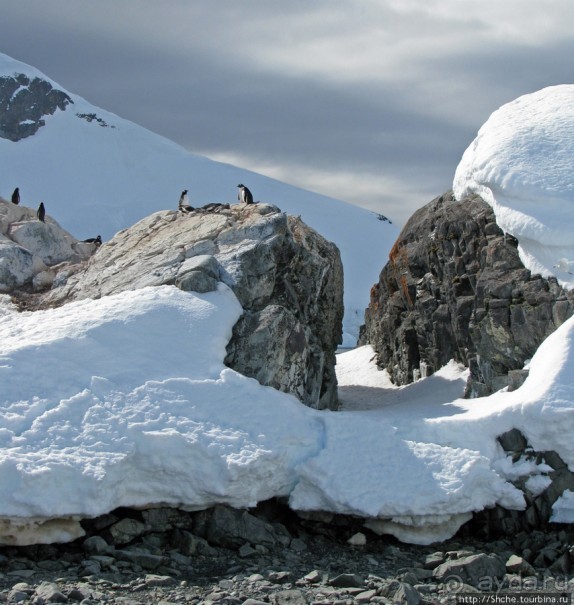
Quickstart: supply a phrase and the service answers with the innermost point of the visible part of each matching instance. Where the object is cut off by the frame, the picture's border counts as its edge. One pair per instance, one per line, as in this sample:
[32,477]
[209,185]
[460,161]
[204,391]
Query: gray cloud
[371,102]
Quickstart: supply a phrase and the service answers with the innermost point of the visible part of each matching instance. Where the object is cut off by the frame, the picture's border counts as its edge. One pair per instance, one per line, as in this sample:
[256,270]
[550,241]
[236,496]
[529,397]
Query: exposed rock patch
[455,288]
[540,496]
[25,102]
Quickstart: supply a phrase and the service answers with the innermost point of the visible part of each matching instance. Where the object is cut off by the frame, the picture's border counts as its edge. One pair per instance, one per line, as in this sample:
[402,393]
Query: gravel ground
[314,563]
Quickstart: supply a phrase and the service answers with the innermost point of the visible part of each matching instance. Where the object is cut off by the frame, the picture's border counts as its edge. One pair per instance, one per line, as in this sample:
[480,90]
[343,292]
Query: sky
[371,102]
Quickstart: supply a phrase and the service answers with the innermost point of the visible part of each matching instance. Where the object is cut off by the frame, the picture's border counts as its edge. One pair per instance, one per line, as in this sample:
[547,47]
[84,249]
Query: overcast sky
[369,101]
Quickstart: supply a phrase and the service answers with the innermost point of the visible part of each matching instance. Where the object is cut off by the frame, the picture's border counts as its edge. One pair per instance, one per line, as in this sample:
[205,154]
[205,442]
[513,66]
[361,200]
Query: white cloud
[345,41]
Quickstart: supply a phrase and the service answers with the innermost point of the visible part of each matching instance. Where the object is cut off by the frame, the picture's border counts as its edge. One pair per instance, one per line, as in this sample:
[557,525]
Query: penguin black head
[240,185]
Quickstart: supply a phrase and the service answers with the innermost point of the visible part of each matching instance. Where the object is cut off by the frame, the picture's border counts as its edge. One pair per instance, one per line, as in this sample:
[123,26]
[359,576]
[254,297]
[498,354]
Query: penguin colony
[244,196]
[41,216]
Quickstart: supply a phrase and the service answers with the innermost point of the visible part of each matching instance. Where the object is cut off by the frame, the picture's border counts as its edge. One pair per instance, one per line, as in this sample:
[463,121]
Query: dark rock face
[294,315]
[455,288]
[231,528]
[538,512]
[23,104]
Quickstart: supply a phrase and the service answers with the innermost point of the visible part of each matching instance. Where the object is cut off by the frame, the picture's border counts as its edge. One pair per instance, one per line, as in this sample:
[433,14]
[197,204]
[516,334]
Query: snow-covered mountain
[97,173]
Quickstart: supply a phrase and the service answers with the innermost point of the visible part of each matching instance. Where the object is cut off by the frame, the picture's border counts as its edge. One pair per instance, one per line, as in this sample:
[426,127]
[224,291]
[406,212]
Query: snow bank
[563,509]
[125,401]
[521,164]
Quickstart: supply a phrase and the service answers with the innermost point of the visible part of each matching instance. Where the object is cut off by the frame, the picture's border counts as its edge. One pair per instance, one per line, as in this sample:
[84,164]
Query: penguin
[183,206]
[244,195]
[94,240]
[16,196]
[41,212]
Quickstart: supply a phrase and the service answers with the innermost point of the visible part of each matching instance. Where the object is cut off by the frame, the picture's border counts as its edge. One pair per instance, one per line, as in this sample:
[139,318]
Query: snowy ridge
[10,67]
[97,179]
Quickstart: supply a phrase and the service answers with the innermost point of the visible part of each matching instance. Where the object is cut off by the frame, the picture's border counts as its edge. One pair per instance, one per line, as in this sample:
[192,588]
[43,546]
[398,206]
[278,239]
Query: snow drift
[521,164]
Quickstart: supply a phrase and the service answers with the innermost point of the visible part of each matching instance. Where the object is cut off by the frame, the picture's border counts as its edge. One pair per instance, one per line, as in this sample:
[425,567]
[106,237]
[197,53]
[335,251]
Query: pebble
[317,568]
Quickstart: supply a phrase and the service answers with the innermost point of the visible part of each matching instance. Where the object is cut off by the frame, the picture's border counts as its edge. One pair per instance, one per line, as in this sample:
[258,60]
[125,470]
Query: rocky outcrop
[288,279]
[24,102]
[300,312]
[455,288]
[31,250]
[541,490]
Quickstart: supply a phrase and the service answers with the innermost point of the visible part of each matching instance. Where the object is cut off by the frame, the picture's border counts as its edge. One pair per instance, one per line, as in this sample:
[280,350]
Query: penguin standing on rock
[183,204]
[244,195]
[41,212]
[16,196]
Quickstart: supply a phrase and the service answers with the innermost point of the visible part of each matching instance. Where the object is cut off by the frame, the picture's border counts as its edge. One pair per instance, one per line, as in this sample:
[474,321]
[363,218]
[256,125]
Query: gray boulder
[231,528]
[29,249]
[16,266]
[518,565]
[48,592]
[473,569]
[198,274]
[126,530]
[406,594]
[455,288]
[142,558]
[48,242]
[288,279]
